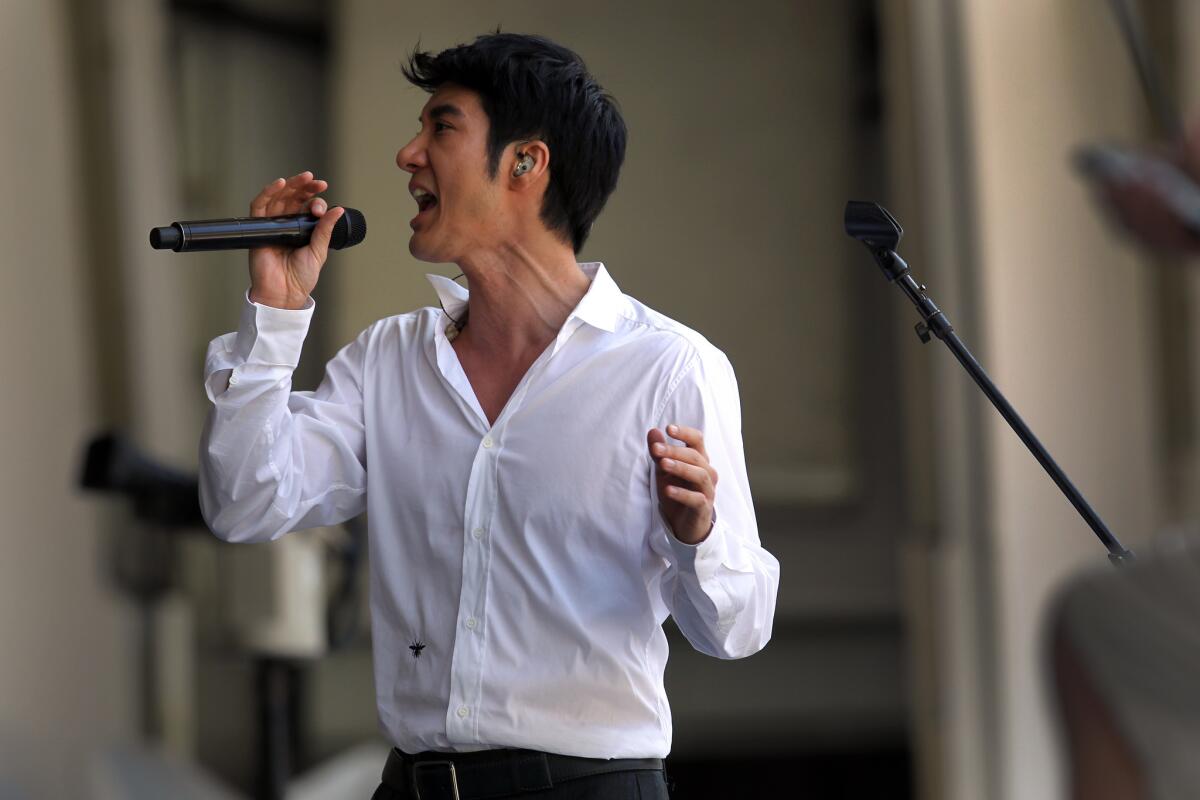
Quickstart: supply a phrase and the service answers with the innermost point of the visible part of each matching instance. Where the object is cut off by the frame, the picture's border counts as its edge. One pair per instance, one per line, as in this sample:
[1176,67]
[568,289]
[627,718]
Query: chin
[419,252]
[413,249]
[429,252]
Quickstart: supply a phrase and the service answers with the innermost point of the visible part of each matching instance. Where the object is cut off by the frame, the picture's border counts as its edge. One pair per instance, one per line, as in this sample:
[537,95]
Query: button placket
[466,670]
[466,664]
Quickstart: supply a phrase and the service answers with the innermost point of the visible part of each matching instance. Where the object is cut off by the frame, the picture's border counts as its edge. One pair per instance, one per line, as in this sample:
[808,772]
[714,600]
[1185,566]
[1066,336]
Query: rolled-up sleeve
[273,460]
[721,591]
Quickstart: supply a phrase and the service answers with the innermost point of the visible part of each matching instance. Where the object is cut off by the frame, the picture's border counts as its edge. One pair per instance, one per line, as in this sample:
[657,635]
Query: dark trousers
[639,785]
[633,784]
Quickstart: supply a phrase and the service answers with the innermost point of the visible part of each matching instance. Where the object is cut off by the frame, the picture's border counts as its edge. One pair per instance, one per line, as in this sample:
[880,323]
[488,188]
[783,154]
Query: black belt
[493,773]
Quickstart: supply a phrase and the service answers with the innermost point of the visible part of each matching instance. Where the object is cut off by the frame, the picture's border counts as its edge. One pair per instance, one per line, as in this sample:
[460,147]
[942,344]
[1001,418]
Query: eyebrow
[445,110]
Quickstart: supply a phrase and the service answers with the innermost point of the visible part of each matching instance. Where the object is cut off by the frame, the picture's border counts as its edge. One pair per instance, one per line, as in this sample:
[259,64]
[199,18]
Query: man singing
[539,458]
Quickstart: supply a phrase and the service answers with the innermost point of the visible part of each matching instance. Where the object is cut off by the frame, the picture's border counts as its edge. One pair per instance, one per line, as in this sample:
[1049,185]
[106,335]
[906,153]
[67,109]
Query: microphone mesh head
[349,230]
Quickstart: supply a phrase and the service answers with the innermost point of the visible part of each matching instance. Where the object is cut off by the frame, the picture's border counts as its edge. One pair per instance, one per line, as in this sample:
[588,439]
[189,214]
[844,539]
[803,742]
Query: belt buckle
[453,784]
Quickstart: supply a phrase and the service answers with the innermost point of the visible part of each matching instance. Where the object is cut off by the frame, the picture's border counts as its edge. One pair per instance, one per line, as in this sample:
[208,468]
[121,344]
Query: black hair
[532,88]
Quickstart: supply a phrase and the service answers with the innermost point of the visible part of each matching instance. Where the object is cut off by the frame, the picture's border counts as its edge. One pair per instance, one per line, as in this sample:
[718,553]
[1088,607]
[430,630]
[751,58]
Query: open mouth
[425,200]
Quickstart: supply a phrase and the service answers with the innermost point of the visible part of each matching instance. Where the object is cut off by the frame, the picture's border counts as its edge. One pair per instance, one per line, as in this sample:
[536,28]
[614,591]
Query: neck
[520,297]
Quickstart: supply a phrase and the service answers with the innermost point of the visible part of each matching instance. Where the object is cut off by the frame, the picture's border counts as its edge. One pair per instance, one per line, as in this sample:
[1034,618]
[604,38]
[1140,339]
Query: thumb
[319,241]
[655,436]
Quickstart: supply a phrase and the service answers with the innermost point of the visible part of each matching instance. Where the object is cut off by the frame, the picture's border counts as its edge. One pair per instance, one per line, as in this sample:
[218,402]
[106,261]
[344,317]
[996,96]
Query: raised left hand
[687,483]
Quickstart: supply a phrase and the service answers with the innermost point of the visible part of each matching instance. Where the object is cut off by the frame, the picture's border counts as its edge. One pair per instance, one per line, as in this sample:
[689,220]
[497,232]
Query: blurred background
[919,541]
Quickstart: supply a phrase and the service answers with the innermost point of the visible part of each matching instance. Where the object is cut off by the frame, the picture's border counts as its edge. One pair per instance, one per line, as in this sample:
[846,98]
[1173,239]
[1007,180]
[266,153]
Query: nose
[411,157]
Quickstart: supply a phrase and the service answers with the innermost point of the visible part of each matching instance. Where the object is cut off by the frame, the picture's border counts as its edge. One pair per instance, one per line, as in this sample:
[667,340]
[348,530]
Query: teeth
[424,198]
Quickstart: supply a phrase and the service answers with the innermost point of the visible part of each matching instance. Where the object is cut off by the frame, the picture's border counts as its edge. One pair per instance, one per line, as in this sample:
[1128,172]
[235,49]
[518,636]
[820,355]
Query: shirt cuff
[703,558]
[268,335]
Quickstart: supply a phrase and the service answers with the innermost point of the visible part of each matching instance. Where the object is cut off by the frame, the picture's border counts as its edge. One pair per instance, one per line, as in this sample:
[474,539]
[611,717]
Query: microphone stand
[872,225]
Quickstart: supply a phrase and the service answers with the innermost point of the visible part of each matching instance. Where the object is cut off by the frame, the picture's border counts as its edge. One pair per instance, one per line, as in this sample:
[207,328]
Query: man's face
[463,211]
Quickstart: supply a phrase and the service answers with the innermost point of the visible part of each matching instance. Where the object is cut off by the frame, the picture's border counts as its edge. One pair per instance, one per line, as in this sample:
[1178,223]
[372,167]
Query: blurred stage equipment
[1115,165]
[1164,110]
[142,558]
[872,225]
[242,233]
[284,618]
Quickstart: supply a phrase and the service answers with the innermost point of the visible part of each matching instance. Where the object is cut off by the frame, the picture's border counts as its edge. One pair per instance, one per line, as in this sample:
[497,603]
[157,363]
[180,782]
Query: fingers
[258,206]
[294,195]
[686,483]
[687,454]
[691,473]
[287,196]
[688,497]
[695,454]
[682,464]
[655,441]
[693,437]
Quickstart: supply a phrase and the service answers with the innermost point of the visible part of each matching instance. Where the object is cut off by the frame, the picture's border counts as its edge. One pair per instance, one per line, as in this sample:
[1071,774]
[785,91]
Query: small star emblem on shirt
[416,648]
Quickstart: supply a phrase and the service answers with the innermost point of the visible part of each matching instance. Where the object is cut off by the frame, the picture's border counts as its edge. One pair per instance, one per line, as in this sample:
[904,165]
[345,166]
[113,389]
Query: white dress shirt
[529,557]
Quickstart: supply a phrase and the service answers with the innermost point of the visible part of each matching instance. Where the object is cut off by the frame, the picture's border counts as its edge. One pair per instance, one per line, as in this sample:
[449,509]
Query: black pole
[148,675]
[872,225]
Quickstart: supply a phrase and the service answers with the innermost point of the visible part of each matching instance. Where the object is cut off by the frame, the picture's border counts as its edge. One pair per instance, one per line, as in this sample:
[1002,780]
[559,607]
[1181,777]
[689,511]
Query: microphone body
[243,233]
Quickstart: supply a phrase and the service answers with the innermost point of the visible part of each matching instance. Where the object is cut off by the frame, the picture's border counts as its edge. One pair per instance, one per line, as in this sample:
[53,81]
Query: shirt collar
[600,306]
[452,295]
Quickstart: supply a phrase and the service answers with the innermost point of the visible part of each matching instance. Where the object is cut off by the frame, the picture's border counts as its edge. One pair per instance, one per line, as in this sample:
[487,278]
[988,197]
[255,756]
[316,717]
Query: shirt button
[472,622]
[463,711]
[477,533]
[487,441]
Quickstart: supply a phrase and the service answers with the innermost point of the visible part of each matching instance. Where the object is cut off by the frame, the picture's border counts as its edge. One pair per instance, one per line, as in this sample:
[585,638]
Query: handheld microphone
[242,233]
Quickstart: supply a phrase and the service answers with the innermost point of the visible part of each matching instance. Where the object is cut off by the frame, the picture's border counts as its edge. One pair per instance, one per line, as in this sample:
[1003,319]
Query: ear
[537,152]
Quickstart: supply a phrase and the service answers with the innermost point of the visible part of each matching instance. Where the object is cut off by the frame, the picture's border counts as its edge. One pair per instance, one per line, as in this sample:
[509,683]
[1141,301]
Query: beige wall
[728,211]
[944,561]
[66,666]
[1061,316]
[1068,328]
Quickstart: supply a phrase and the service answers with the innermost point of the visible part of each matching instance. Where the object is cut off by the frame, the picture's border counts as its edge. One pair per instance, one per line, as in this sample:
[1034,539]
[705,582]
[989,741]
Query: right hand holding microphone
[284,277]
